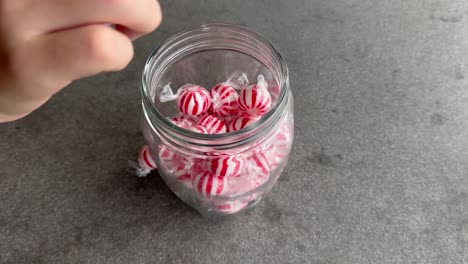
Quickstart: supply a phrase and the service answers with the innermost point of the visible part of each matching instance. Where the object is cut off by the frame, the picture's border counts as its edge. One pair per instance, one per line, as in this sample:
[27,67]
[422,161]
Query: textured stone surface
[379,172]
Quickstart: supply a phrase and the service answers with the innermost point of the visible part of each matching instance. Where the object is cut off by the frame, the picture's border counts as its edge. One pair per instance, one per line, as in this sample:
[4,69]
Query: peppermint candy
[213,124]
[169,158]
[145,160]
[193,100]
[166,154]
[231,207]
[259,161]
[226,166]
[255,100]
[224,99]
[182,121]
[208,184]
[241,122]
[199,129]
[279,149]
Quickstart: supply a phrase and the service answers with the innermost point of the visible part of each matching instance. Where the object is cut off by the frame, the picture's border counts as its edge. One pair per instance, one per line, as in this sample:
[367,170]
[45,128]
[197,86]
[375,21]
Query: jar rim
[160,121]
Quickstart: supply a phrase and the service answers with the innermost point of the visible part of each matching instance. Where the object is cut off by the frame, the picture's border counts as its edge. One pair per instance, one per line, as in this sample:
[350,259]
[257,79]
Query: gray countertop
[378,174]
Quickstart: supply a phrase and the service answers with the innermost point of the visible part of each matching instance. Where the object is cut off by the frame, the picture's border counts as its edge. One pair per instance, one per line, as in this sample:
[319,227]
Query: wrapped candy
[192,100]
[255,100]
[199,129]
[241,122]
[213,124]
[224,98]
[145,160]
[226,166]
[183,121]
[231,207]
[208,184]
[278,150]
[260,160]
[144,164]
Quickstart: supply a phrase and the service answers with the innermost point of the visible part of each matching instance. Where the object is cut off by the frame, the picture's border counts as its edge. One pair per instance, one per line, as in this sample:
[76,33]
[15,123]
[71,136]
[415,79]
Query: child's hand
[46,44]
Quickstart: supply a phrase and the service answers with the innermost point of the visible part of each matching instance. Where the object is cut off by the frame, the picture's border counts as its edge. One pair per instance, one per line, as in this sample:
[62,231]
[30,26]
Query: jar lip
[165,124]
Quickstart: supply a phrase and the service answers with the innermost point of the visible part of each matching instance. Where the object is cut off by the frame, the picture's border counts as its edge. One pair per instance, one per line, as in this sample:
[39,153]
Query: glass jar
[208,55]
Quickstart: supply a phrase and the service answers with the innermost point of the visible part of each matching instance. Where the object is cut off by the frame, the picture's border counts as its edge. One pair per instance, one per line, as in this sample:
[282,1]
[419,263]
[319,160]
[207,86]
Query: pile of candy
[222,110]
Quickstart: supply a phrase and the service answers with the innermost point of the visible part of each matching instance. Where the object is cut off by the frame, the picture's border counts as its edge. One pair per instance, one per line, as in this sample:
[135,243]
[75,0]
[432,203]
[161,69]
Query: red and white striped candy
[278,148]
[182,174]
[182,121]
[241,122]
[283,138]
[259,160]
[277,157]
[226,166]
[224,99]
[282,144]
[169,158]
[199,129]
[213,124]
[231,207]
[242,184]
[275,91]
[254,101]
[166,154]
[208,184]
[145,160]
[261,178]
[193,100]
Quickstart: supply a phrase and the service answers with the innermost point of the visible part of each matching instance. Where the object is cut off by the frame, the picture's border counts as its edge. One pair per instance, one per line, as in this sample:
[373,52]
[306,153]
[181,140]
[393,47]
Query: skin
[47,44]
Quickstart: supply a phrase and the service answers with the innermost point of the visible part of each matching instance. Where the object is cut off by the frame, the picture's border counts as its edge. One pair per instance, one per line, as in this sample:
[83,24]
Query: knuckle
[154,18]
[126,57]
[117,3]
[98,42]
[108,49]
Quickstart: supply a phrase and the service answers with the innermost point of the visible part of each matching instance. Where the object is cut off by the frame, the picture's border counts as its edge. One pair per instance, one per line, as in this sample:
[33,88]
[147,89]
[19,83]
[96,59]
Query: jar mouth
[176,47]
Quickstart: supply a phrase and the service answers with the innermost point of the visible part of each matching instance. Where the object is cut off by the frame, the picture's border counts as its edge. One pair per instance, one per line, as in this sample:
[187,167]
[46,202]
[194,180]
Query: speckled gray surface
[379,172]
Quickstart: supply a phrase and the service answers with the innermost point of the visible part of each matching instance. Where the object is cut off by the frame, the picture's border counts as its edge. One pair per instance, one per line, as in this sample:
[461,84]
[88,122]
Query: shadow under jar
[205,56]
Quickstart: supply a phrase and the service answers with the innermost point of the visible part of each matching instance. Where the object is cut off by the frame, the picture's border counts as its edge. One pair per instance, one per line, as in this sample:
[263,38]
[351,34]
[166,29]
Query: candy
[276,159]
[182,174]
[182,121]
[199,129]
[224,99]
[231,207]
[283,138]
[242,122]
[193,100]
[169,158]
[247,182]
[144,164]
[261,178]
[226,166]
[277,149]
[166,154]
[259,160]
[255,100]
[145,160]
[213,124]
[208,184]
[275,91]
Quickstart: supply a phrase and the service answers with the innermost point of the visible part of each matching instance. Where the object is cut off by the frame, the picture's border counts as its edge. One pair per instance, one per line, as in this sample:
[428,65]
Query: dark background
[378,174]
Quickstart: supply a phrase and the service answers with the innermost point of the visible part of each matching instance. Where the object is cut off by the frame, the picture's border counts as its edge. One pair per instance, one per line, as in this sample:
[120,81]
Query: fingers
[138,17]
[72,54]
[13,108]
